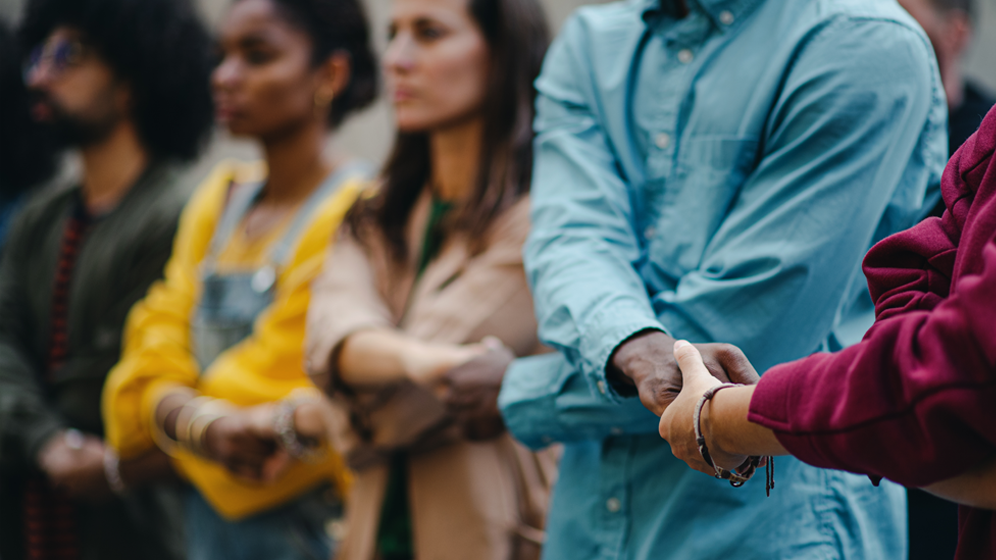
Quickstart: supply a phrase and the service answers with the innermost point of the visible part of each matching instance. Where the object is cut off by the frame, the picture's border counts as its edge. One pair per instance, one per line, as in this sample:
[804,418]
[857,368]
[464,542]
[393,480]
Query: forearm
[726,427]
[374,356]
[975,488]
[379,356]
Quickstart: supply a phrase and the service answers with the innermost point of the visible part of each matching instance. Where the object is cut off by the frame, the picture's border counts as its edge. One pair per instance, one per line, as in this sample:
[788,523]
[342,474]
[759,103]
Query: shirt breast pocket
[709,174]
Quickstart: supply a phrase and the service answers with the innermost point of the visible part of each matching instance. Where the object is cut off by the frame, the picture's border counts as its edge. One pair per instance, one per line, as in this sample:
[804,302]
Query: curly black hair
[338,26]
[159,47]
[28,151]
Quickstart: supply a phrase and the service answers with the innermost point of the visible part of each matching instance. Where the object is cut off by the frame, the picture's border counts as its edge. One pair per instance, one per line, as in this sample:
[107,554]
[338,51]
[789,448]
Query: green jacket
[123,253]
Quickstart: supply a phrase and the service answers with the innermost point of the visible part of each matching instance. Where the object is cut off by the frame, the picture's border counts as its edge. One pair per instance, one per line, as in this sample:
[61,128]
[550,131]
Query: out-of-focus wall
[369,134]
[982,57]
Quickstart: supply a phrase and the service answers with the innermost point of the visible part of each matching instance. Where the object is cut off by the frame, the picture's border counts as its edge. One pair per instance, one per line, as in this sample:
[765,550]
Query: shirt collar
[723,13]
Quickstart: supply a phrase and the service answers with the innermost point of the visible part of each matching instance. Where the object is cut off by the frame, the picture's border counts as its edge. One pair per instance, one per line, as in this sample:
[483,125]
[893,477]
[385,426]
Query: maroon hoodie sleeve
[915,401]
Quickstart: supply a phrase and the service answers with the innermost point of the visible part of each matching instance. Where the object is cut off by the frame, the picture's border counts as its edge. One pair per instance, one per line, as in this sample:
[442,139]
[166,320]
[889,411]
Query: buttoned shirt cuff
[545,400]
[528,399]
[612,327]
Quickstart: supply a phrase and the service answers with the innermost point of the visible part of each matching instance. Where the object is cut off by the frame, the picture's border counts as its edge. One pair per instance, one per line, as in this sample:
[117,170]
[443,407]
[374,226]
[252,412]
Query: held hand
[426,364]
[470,391]
[244,442]
[312,420]
[647,361]
[677,422]
[75,463]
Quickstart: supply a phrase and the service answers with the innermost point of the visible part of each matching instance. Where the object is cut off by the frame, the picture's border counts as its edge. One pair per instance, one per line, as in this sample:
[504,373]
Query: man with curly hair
[124,82]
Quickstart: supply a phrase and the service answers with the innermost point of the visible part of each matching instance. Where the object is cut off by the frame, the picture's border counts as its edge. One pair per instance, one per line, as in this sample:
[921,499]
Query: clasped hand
[246,443]
[467,379]
[671,377]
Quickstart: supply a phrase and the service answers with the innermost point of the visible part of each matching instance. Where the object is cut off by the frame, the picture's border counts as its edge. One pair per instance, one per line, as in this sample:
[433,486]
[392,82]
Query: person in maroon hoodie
[915,401]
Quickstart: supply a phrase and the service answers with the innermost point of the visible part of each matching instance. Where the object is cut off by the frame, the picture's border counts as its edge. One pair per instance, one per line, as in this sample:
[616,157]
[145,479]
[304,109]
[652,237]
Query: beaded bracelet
[283,425]
[746,470]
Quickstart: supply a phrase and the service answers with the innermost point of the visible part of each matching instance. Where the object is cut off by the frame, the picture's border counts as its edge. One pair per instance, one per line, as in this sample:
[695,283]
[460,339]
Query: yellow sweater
[265,367]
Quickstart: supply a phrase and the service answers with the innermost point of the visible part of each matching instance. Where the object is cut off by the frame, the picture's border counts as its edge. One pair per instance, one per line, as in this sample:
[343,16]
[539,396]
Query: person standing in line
[425,269]
[913,401]
[125,83]
[27,149]
[712,170]
[212,368]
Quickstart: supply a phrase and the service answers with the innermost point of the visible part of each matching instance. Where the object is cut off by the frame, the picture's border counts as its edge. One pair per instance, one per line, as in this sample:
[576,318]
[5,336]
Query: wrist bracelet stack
[196,429]
[746,470]
[190,427]
[283,425]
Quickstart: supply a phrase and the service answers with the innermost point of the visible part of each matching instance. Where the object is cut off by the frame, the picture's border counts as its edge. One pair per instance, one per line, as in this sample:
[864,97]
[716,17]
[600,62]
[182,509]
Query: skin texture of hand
[80,472]
[647,361]
[311,420]
[471,389]
[244,442]
[428,363]
[152,467]
[677,424]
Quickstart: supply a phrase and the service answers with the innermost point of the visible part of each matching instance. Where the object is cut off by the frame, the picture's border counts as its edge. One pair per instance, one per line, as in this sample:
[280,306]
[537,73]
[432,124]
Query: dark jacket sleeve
[913,402]
[26,419]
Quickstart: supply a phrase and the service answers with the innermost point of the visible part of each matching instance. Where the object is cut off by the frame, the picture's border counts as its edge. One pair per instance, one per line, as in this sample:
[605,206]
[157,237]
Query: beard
[85,128]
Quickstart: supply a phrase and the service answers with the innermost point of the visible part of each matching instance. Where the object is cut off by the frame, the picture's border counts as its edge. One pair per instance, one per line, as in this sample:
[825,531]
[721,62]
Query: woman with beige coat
[425,304]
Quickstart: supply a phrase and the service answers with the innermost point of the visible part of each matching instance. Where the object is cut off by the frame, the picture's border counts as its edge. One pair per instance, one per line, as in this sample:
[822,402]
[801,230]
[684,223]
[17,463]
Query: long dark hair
[517,36]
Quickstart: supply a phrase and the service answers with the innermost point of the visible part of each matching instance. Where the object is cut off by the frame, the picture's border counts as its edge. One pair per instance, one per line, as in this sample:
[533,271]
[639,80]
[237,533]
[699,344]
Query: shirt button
[726,17]
[613,505]
[616,431]
[663,140]
[649,233]
[686,56]
[601,387]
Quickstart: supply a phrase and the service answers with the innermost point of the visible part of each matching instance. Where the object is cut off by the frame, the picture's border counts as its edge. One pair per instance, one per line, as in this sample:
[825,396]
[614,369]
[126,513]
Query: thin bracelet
[182,426]
[745,471]
[283,425]
[167,444]
[112,471]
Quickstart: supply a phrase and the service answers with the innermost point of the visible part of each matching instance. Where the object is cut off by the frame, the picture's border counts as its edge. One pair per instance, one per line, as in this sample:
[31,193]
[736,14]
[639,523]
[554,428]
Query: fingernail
[681,344]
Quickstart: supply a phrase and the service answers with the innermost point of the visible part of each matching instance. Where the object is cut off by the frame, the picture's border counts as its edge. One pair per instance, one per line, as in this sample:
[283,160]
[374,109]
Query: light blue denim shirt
[720,177]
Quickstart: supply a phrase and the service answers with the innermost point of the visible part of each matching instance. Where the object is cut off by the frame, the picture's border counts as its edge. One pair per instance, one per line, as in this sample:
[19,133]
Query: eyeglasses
[56,55]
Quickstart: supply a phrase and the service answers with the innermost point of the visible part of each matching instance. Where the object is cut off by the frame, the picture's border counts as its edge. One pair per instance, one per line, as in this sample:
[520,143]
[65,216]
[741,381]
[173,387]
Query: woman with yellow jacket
[211,370]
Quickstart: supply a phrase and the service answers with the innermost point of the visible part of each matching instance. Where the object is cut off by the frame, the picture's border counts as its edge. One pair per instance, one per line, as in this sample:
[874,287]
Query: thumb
[693,369]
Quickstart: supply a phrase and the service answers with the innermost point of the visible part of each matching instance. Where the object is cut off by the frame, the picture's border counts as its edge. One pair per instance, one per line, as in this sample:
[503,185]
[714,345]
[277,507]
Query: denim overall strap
[242,199]
[239,202]
[231,301]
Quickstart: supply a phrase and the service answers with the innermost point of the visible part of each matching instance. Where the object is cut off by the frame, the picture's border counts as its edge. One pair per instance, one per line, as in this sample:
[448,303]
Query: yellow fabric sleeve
[265,367]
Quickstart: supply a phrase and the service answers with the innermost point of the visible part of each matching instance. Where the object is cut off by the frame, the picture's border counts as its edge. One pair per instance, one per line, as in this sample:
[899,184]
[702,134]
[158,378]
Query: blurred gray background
[369,134]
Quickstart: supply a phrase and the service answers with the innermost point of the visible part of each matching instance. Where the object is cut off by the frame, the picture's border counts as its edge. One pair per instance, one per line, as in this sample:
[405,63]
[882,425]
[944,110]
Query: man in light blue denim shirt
[714,170]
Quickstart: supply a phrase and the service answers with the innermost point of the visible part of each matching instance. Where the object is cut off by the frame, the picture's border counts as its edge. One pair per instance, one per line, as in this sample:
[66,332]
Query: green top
[394,535]
[123,253]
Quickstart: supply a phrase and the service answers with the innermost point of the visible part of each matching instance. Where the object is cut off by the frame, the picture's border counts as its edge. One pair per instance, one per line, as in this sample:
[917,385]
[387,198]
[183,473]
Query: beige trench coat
[469,500]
